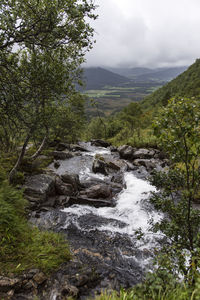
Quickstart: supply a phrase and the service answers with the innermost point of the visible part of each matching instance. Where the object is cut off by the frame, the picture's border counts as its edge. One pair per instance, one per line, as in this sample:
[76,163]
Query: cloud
[150,33]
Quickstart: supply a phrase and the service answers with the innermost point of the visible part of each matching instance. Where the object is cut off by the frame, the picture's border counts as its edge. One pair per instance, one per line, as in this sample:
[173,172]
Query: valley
[108,92]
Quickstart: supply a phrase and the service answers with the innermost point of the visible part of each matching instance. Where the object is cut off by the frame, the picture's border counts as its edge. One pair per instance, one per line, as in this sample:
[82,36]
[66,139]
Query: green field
[112,99]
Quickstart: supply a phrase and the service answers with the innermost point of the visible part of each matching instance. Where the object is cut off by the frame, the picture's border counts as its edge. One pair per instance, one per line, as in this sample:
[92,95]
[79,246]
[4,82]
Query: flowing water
[111,234]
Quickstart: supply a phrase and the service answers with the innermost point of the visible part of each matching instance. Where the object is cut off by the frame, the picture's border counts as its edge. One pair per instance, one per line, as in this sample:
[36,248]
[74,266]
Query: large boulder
[62,155]
[143,154]
[126,151]
[72,179]
[64,188]
[99,166]
[99,191]
[100,143]
[119,179]
[38,187]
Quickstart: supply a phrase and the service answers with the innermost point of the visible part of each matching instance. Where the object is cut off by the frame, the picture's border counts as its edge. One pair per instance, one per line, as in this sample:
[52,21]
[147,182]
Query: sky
[145,33]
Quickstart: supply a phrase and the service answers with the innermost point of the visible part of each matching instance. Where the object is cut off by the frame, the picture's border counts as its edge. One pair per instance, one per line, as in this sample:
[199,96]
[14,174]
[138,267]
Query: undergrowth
[23,246]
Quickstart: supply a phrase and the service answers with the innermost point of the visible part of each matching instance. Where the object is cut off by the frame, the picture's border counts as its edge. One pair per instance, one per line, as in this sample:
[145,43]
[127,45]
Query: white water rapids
[132,208]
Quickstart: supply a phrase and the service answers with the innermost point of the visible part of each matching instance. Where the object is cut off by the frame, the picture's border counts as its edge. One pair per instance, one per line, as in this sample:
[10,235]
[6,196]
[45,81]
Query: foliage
[177,128]
[186,84]
[42,47]
[21,246]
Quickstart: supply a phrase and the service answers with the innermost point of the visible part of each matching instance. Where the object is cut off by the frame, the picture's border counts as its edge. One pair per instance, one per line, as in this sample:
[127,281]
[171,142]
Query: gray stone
[99,166]
[72,179]
[126,151]
[39,187]
[62,155]
[100,143]
[98,191]
[63,188]
[143,153]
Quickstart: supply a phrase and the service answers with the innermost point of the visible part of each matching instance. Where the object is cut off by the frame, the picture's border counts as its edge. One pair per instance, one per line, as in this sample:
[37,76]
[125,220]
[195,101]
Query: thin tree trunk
[18,163]
[37,153]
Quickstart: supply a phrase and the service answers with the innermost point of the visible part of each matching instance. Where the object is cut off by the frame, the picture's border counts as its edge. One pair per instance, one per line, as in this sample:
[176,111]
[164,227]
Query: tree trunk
[37,153]
[18,163]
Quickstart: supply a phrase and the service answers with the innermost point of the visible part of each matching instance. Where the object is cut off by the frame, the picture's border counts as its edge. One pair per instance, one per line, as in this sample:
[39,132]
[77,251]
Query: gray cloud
[152,33]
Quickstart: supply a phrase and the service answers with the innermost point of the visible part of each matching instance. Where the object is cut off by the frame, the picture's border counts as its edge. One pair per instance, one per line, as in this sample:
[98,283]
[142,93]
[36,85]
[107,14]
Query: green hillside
[186,84]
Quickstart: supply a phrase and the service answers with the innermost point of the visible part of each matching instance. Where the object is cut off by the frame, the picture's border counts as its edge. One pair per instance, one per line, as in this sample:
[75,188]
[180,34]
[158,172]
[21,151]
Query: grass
[37,249]
[21,245]
[181,292]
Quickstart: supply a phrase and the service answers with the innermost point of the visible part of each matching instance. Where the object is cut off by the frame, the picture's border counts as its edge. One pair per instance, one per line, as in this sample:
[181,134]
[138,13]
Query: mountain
[163,74]
[131,73]
[186,84]
[97,78]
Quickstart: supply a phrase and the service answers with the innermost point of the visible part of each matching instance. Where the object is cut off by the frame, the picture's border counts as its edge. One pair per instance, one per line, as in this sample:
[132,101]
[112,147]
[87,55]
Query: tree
[42,47]
[178,130]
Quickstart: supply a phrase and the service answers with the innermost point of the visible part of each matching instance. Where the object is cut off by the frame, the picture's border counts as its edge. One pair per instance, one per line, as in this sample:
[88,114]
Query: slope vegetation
[186,84]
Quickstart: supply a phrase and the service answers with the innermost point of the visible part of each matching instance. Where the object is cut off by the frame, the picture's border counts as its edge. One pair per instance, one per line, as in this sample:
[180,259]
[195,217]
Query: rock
[7,284]
[113,149]
[56,164]
[143,153]
[62,155]
[38,187]
[130,166]
[62,201]
[100,143]
[62,147]
[116,187]
[98,191]
[91,202]
[63,188]
[75,147]
[116,165]
[99,166]
[69,291]
[119,178]
[39,278]
[149,164]
[72,179]
[126,151]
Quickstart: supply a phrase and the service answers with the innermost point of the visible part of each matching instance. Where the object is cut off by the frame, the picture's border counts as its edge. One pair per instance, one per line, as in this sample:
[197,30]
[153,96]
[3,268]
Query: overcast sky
[149,33]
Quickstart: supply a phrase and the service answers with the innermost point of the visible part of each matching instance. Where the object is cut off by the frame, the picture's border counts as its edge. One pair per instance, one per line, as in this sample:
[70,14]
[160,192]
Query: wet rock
[56,164]
[91,202]
[126,151]
[119,178]
[100,143]
[150,164]
[99,191]
[99,166]
[113,149]
[116,165]
[130,166]
[143,153]
[38,187]
[62,155]
[63,188]
[72,179]
[63,146]
[75,147]
[62,201]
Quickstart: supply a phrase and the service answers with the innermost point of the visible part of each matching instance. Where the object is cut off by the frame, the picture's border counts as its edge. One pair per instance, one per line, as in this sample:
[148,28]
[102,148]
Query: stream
[105,241]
